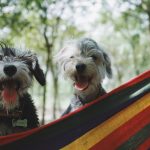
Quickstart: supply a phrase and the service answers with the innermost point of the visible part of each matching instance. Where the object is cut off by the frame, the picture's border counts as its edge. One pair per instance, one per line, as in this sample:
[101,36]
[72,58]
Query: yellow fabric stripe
[98,133]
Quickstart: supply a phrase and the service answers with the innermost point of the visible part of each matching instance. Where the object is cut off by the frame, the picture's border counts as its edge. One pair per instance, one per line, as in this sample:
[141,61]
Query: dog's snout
[10,70]
[80,67]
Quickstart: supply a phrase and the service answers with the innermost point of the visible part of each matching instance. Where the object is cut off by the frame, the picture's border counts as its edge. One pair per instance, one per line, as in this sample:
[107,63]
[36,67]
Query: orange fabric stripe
[103,130]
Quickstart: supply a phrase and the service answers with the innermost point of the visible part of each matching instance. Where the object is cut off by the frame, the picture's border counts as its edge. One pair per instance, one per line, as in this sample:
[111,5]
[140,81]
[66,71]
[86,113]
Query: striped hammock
[118,120]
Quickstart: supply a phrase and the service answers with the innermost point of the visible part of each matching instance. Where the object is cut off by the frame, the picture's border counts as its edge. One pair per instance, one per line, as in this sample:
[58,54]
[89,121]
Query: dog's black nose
[80,67]
[10,70]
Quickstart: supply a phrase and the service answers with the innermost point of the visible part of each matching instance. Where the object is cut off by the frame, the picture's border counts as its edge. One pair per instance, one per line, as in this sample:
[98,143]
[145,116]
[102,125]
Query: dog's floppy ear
[107,64]
[38,73]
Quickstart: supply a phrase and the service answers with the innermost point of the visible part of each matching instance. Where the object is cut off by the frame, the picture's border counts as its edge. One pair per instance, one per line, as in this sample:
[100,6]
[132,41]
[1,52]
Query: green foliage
[125,24]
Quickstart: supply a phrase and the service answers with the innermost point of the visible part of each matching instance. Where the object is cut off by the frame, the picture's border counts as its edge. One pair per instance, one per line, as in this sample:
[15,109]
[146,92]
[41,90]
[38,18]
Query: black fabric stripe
[58,135]
[135,141]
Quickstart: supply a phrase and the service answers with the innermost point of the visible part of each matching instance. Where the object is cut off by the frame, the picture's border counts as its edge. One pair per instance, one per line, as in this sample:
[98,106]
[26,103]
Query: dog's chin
[10,105]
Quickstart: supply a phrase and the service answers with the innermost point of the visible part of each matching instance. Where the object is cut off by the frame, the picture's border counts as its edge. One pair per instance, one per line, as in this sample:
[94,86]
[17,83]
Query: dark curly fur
[28,112]
[17,69]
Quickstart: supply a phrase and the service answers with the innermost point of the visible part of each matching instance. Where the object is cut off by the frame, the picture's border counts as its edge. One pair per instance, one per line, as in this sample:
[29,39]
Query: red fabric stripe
[145,145]
[125,85]
[14,137]
[11,138]
[129,83]
[124,132]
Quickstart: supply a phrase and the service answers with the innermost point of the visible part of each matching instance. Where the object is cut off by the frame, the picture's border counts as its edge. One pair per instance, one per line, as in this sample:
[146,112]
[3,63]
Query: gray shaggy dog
[17,69]
[86,64]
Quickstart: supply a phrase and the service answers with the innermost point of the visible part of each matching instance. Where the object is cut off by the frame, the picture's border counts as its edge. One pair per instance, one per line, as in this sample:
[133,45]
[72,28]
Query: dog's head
[17,69]
[85,63]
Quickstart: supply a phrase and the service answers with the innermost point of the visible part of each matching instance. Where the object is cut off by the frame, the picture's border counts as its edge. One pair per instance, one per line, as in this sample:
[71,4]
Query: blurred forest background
[121,26]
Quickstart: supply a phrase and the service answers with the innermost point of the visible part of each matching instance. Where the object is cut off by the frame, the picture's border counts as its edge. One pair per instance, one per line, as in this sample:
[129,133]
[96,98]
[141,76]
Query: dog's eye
[94,57]
[72,57]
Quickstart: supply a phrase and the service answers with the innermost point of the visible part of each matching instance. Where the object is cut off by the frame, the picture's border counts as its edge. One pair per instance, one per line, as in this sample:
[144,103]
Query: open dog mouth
[82,82]
[9,90]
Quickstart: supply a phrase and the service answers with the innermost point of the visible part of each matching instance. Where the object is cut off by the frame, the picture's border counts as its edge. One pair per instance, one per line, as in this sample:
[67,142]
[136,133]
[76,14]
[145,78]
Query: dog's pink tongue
[9,95]
[81,86]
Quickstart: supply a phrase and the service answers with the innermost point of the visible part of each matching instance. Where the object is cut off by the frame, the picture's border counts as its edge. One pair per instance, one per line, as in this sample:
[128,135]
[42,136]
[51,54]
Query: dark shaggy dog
[17,111]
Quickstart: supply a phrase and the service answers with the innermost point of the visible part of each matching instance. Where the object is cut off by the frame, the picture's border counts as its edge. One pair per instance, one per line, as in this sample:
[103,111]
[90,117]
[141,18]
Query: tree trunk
[48,46]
